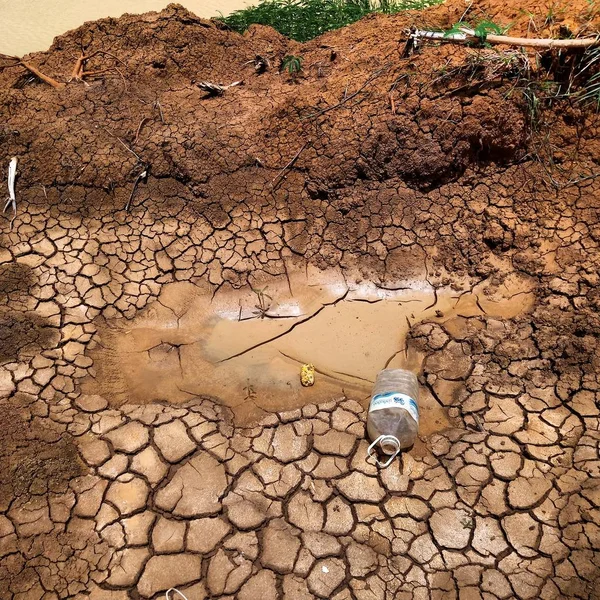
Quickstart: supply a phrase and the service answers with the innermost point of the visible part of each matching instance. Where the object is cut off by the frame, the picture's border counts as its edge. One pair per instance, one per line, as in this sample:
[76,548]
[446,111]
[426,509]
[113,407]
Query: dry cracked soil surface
[376,210]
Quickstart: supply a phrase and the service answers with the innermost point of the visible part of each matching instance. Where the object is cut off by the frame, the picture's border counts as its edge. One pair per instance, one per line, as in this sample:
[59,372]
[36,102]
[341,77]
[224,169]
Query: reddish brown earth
[450,187]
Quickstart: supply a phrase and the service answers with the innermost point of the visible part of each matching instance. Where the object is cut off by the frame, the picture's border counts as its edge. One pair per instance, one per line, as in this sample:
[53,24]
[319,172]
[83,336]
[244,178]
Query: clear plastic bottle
[393,419]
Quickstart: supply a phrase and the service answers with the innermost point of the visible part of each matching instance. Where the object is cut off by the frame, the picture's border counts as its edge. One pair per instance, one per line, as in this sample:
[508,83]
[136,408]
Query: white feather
[12,173]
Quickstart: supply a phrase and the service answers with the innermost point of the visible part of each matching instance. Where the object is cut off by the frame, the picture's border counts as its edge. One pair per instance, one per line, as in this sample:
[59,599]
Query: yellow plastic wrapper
[307,375]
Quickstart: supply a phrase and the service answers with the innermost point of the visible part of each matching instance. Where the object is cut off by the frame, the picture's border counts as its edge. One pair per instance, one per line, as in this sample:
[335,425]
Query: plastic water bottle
[393,419]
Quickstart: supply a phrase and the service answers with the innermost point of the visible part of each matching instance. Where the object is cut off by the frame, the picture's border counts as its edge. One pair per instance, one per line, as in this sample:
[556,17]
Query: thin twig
[124,145]
[160,112]
[346,98]
[139,129]
[280,174]
[139,178]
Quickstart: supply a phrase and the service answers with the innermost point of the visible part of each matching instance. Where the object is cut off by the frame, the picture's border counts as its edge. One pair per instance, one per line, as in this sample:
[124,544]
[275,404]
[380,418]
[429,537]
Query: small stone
[279,547]
[168,536]
[205,534]
[169,570]
[149,464]
[129,438]
[128,497]
[91,403]
[358,487]
[196,488]
[173,441]
[326,576]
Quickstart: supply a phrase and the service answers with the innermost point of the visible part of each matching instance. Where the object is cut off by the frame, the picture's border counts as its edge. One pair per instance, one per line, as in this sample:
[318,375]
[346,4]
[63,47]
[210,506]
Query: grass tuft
[304,20]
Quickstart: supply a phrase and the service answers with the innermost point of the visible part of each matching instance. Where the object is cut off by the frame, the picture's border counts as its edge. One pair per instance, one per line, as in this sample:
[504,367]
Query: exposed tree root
[34,70]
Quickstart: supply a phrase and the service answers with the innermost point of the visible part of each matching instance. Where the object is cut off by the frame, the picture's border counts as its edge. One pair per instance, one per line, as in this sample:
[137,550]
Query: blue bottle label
[395,400]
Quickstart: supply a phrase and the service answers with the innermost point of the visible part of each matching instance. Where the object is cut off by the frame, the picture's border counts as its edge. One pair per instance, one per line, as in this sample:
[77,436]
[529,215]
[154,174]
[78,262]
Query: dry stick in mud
[277,179]
[34,70]
[468,36]
[353,95]
[79,72]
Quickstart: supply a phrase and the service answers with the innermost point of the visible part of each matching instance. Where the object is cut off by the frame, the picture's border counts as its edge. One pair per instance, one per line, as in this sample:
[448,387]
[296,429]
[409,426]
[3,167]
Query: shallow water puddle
[246,346]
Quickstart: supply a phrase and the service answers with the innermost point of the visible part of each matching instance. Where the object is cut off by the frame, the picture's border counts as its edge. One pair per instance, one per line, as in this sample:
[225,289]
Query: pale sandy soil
[31,25]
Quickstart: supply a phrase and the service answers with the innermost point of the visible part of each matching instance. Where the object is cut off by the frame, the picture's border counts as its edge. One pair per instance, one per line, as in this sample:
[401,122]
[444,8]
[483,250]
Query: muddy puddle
[246,346]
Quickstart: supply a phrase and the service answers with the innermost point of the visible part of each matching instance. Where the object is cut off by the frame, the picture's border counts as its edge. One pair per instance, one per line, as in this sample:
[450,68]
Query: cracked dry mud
[153,429]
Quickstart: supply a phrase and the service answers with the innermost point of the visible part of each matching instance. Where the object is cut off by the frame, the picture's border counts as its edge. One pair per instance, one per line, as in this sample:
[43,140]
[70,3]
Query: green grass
[304,20]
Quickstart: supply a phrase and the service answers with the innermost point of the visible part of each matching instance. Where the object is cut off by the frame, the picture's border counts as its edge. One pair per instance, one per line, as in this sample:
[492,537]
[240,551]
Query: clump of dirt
[24,333]
[34,458]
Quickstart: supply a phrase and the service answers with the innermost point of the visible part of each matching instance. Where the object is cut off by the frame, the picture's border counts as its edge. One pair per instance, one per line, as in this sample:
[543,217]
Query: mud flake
[304,513]
[137,528]
[262,585]
[168,536]
[91,403]
[126,566]
[335,443]
[225,576]
[339,519]
[128,496]
[450,528]
[169,570]
[325,576]
[358,487]
[196,488]
[173,441]
[526,492]
[129,438]
[205,534]
[288,445]
[522,532]
[488,538]
[362,559]
[148,463]
[280,546]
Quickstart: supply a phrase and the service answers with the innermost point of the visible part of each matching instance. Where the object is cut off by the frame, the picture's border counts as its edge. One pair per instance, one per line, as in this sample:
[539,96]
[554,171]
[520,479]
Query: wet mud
[246,346]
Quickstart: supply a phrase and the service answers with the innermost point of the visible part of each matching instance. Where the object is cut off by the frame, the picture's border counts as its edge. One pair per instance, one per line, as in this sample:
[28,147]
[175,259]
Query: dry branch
[468,36]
